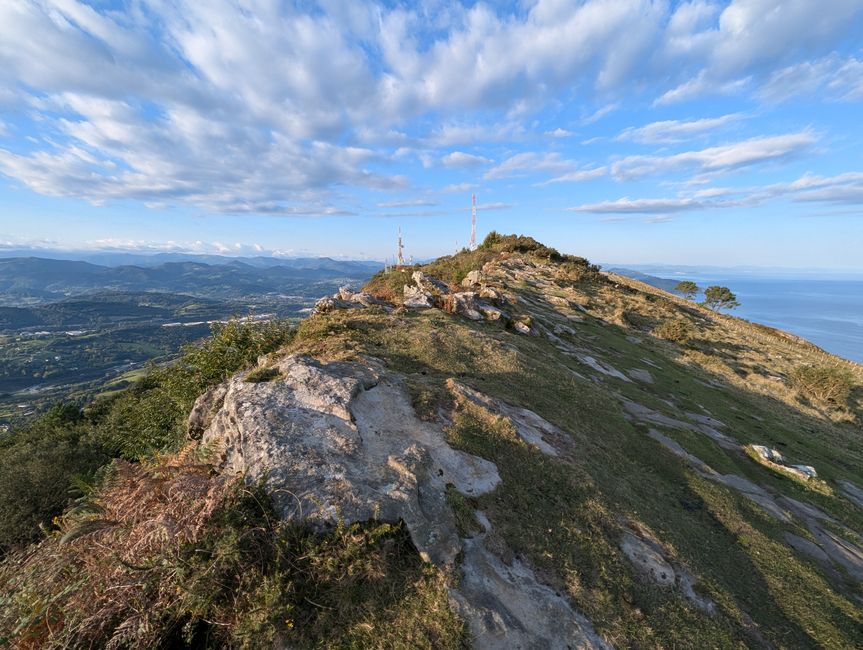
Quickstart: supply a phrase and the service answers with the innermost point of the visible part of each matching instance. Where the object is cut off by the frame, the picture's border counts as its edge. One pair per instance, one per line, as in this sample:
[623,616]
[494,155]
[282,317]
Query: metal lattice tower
[400,258]
[473,225]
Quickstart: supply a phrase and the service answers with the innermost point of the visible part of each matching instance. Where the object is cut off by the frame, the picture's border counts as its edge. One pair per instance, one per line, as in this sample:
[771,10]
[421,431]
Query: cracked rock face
[341,442]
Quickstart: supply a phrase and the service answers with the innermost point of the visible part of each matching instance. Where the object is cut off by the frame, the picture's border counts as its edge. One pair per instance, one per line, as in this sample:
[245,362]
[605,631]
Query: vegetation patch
[677,330]
[169,554]
[823,383]
[41,462]
[260,375]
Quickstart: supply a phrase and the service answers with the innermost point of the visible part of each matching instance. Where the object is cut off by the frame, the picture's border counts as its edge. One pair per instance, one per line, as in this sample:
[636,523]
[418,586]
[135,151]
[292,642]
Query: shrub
[171,554]
[823,383]
[675,329]
[39,462]
[37,468]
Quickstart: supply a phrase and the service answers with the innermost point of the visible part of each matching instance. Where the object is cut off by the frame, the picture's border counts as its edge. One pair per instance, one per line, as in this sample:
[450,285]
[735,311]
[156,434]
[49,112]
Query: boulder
[521,327]
[429,284]
[465,304]
[416,298]
[490,312]
[472,278]
[804,471]
[768,454]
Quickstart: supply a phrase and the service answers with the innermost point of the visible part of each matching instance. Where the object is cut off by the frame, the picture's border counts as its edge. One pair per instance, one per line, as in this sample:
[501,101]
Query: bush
[823,383]
[675,329]
[37,468]
[39,463]
[151,415]
[171,554]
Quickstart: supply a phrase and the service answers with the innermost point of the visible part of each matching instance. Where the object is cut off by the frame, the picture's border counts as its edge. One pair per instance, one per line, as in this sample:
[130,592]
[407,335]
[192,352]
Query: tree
[716,297]
[687,289]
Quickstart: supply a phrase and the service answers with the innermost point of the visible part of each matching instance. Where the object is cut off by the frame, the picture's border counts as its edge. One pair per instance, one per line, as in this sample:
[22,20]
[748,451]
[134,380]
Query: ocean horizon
[827,311]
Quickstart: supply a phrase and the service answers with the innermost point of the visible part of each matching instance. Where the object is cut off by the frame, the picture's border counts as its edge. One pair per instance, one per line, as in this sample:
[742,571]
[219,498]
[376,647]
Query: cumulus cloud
[276,108]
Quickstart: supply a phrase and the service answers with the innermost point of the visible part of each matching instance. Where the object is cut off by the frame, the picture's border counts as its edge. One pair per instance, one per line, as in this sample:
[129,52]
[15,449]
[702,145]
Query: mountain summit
[505,448]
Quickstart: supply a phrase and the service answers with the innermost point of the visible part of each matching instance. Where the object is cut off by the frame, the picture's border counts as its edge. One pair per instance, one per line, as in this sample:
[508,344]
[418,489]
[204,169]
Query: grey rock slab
[465,304]
[341,441]
[472,278]
[601,367]
[850,491]
[706,420]
[646,414]
[648,559]
[532,428]
[676,449]
[507,608]
[641,375]
[428,283]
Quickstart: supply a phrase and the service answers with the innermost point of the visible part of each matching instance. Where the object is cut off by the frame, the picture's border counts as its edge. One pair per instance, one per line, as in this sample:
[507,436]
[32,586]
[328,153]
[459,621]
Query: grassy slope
[565,513]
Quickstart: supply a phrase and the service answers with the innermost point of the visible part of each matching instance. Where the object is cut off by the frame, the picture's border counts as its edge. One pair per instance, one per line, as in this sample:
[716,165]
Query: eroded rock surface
[341,442]
[506,607]
[532,428]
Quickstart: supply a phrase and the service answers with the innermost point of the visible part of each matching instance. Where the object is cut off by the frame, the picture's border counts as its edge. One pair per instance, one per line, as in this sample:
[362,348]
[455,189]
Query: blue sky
[622,130]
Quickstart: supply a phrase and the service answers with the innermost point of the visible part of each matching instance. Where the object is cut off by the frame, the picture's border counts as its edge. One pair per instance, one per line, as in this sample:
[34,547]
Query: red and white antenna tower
[473,225]
[400,258]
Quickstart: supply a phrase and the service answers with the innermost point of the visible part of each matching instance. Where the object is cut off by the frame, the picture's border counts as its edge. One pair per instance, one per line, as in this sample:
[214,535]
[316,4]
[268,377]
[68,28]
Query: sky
[626,131]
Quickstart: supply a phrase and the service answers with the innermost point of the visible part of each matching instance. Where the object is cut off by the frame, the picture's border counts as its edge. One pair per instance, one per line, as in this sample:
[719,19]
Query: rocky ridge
[341,440]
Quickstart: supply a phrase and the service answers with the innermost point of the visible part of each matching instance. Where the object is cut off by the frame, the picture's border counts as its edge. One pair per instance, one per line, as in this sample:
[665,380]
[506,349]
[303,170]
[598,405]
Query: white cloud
[718,159]
[833,76]
[459,187]
[270,107]
[460,159]
[529,162]
[668,131]
[640,206]
[600,113]
[406,203]
[844,189]
[579,176]
[559,133]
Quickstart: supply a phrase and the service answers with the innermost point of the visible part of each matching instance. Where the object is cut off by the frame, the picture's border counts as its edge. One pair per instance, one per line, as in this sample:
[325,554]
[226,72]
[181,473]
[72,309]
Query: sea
[826,311]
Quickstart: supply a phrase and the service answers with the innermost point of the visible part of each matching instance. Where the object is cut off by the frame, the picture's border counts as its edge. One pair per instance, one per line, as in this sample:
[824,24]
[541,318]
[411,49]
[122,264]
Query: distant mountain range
[118,258]
[32,280]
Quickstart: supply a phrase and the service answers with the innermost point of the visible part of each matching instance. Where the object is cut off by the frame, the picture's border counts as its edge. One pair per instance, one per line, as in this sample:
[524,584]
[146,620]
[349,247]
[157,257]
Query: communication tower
[400,258]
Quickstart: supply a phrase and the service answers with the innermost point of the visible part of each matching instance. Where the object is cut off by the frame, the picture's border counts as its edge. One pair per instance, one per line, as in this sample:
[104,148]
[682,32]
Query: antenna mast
[473,225]
[400,259]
